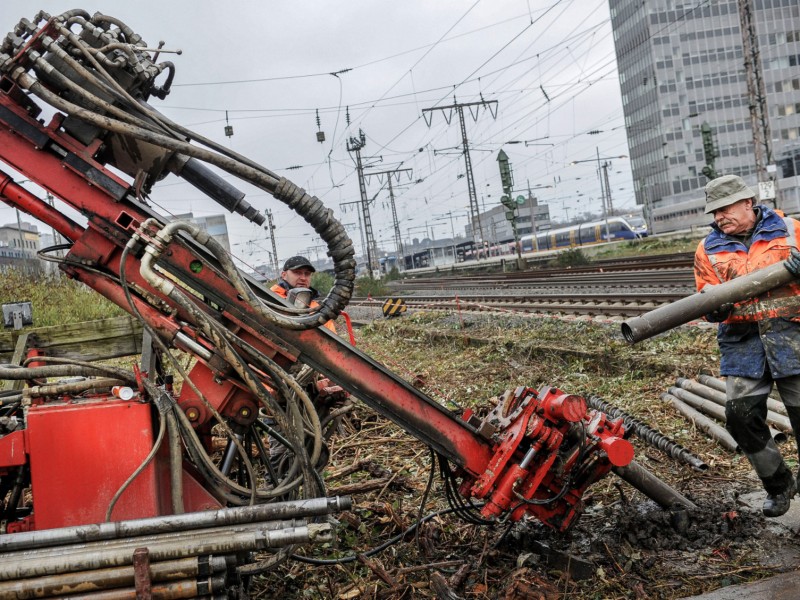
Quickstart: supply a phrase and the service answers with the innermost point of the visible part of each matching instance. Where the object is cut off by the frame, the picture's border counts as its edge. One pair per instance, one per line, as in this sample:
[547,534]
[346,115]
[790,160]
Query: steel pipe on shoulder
[708,300]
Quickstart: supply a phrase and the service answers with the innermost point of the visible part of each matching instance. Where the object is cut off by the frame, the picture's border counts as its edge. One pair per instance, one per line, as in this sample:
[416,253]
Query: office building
[215,225]
[681,65]
[497,228]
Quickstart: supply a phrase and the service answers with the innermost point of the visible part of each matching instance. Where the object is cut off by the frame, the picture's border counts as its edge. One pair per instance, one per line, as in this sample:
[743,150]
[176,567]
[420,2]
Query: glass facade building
[681,65]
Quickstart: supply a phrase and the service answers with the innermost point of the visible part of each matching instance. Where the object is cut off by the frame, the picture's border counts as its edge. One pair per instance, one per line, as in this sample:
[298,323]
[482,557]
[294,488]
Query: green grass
[55,300]
[649,246]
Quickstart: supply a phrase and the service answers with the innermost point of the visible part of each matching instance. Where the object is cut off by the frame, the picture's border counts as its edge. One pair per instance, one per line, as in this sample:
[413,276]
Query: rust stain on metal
[141,574]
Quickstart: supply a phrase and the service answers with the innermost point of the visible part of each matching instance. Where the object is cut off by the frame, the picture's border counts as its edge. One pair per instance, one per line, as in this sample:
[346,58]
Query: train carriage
[616,228]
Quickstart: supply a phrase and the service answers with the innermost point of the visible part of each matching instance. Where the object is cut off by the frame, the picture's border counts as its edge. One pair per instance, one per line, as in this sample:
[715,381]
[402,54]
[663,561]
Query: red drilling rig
[94,482]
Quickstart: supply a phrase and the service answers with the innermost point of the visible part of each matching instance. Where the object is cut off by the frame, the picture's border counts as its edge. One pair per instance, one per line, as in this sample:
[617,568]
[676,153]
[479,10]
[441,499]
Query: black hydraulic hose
[217,335]
[373,551]
[116,372]
[193,444]
[16,493]
[648,435]
[340,247]
[131,37]
[52,371]
[74,387]
[311,209]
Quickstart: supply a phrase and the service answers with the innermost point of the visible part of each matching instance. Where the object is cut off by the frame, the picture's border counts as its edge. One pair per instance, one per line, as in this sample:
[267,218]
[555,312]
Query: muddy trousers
[746,412]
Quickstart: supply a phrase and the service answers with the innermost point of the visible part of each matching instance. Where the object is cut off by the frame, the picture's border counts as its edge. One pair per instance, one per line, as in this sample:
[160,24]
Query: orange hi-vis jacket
[763,331]
[284,293]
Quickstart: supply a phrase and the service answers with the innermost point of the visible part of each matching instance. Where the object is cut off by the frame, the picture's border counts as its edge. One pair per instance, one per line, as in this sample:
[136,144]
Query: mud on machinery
[99,492]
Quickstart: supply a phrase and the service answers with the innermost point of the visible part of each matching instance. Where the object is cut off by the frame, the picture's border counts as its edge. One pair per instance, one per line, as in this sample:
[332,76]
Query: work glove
[719,315]
[792,263]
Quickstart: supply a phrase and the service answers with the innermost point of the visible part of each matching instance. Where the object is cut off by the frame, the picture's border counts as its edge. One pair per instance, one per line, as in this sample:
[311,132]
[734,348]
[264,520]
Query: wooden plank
[89,340]
[20,349]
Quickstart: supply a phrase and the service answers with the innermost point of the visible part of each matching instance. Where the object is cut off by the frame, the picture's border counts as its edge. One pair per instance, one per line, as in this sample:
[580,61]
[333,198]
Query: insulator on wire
[228,126]
[320,133]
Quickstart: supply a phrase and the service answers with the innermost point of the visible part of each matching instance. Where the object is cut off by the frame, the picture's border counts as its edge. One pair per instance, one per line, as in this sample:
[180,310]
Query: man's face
[736,218]
[298,277]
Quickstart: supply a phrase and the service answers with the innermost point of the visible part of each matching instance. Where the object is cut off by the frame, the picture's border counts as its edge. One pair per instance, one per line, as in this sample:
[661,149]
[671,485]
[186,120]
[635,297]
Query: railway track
[587,304]
[622,288]
[671,270]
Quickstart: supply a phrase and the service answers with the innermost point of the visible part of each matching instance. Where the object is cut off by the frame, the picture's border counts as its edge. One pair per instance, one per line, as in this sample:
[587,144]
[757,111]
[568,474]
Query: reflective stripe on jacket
[764,330]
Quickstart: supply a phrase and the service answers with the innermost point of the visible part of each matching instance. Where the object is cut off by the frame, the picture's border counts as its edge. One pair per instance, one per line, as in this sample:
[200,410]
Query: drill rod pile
[703,402]
[185,555]
[711,403]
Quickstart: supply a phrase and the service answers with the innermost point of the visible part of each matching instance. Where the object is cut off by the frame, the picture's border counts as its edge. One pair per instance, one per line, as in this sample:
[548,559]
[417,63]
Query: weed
[571,258]
[366,286]
[55,300]
[322,282]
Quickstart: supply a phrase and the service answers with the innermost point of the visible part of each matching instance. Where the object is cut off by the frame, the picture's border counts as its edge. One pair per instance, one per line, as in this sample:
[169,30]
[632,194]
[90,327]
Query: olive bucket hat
[724,191]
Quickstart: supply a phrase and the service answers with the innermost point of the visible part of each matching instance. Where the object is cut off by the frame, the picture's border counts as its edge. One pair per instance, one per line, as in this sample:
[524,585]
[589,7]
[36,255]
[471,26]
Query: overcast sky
[267,68]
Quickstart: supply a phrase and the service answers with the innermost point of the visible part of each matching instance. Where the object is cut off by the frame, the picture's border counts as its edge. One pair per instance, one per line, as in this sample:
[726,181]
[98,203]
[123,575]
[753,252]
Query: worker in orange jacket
[296,273]
[759,339]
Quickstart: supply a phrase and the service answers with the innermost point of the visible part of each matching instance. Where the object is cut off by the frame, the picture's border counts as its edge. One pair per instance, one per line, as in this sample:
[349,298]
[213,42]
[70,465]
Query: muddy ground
[624,545]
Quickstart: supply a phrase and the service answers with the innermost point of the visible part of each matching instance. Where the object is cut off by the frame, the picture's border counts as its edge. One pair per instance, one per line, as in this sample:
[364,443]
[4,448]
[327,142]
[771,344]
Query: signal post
[510,202]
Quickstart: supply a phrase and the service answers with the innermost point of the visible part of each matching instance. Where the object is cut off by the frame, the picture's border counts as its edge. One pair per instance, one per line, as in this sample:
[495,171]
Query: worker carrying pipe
[747,271]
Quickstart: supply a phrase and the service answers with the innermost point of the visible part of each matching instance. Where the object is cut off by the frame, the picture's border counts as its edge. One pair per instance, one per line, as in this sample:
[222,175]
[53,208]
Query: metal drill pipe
[102,579]
[189,535]
[76,387]
[11,569]
[651,486]
[167,591]
[649,435]
[778,421]
[704,405]
[314,507]
[708,300]
[712,409]
[705,424]
[719,385]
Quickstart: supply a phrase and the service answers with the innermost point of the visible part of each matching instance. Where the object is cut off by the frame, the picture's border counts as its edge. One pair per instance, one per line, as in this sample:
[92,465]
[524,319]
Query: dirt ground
[624,545]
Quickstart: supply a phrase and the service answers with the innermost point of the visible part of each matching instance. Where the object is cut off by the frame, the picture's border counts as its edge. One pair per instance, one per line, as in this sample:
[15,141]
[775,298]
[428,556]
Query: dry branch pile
[624,546]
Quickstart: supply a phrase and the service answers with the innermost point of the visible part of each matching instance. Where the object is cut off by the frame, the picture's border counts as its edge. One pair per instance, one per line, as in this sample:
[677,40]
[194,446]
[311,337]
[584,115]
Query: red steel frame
[39,153]
[112,222]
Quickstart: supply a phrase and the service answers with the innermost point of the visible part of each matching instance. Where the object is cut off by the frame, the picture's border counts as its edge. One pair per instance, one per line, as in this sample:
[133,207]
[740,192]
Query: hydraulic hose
[52,371]
[312,210]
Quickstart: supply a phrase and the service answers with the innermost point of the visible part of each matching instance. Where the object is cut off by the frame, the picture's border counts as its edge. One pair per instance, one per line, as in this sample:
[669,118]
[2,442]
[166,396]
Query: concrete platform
[781,587]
